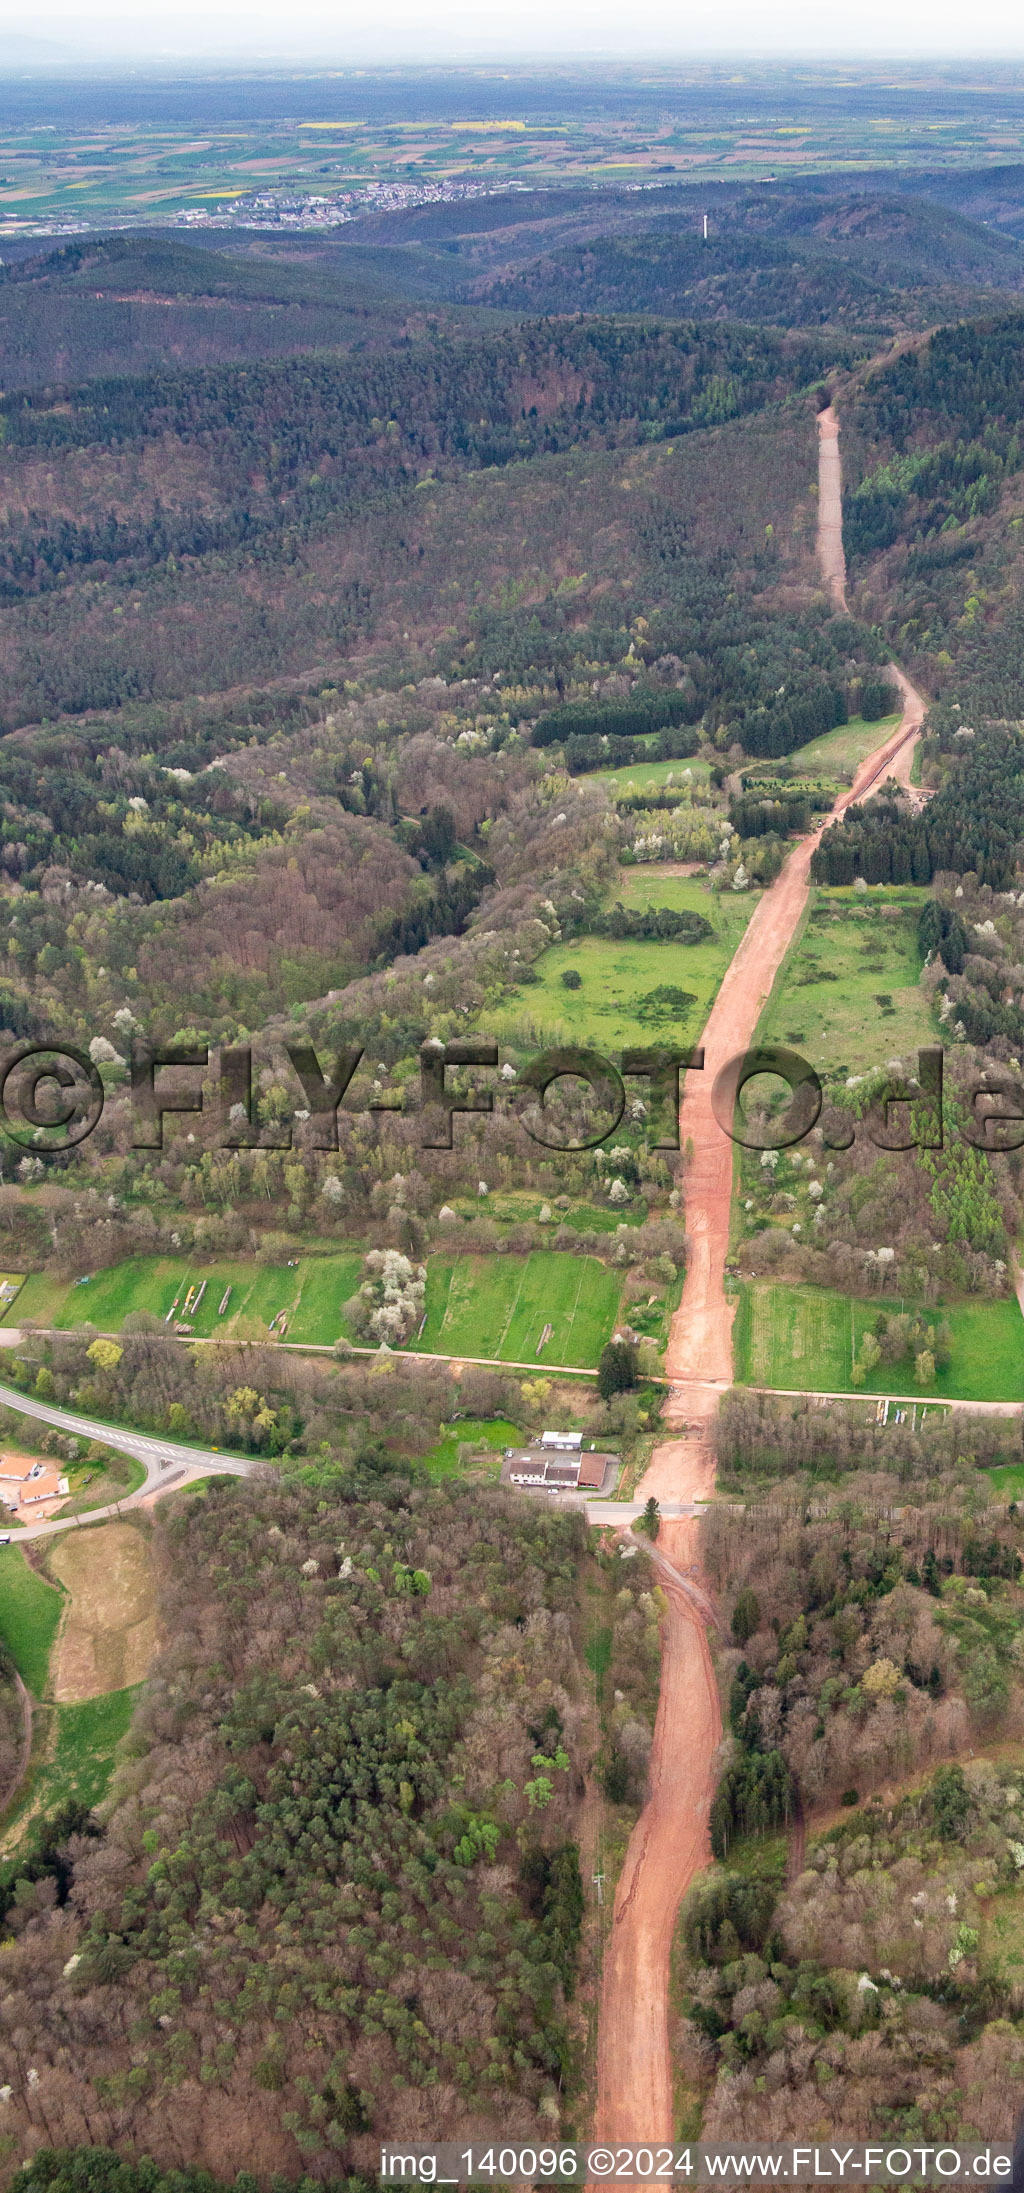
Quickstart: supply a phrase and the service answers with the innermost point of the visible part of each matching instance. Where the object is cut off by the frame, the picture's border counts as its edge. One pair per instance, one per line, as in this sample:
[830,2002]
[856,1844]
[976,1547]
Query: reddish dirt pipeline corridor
[831,554]
[669,1843]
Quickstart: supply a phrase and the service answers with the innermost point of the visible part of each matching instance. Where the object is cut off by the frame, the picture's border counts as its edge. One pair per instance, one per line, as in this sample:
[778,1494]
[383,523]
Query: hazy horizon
[580,33]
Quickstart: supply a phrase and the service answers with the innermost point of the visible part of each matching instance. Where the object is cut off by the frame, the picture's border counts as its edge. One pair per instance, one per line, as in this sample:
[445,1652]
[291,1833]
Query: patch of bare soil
[110,1632]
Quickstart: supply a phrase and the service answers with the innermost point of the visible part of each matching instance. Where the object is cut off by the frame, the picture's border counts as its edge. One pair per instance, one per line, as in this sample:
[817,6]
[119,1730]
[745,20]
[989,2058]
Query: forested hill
[124,303]
[285,514]
[792,258]
[339,1893]
[803,252]
[933,525]
[479,400]
[680,273]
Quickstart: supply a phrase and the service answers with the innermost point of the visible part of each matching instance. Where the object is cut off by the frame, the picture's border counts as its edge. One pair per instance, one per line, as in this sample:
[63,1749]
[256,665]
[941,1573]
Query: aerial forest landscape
[511,1102]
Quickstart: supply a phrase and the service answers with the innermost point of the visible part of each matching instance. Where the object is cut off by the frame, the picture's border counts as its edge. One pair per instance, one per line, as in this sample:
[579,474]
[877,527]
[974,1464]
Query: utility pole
[598,1879]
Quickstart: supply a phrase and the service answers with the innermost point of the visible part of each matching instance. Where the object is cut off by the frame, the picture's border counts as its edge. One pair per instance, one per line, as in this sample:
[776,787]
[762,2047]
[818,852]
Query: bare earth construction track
[670,1841]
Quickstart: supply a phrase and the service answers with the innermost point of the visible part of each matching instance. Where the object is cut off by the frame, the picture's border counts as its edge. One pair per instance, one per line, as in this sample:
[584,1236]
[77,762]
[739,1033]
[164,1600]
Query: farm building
[542,1470]
[28,1488]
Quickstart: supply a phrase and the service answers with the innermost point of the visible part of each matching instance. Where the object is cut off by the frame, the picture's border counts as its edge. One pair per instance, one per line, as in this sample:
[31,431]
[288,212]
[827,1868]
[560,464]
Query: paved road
[165,1462]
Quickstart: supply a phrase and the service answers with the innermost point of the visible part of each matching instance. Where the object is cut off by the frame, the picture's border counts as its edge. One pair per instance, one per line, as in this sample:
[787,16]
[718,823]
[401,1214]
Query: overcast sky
[393,31]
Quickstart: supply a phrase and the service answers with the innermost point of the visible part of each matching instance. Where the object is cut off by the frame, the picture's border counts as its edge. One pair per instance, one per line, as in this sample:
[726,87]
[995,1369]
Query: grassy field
[498,1306]
[494,1306]
[648,885]
[310,1295]
[30,1611]
[842,749]
[651,776]
[81,1741]
[454,1454]
[514,1206]
[803,1337]
[617,1003]
[87,1735]
[848,994]
[1009,1481]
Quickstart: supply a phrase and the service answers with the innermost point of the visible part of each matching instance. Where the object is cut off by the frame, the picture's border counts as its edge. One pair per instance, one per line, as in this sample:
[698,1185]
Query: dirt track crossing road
[669,1843]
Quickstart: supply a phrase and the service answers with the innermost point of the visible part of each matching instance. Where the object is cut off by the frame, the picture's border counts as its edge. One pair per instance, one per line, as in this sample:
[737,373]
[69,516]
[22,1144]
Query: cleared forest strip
[670,1843]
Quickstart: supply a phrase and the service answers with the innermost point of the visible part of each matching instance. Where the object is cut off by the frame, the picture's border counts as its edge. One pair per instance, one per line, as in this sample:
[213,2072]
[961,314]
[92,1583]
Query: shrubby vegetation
[882,1979]
[888,1621]
[11,1728]
[760,1438]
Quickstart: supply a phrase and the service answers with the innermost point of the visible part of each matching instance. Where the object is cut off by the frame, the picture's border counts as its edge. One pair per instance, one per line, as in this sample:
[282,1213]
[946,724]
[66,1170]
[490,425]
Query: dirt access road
[670,1843]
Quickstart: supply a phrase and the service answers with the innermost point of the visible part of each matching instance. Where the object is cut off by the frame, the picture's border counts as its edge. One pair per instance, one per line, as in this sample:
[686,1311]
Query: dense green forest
[975,822]
[933,526]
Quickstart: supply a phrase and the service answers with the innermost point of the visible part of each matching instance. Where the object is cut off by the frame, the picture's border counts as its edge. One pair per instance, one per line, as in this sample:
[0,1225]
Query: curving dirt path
[669,1843]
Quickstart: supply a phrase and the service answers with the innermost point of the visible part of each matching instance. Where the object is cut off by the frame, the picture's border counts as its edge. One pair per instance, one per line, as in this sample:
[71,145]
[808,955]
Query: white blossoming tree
[390,1302]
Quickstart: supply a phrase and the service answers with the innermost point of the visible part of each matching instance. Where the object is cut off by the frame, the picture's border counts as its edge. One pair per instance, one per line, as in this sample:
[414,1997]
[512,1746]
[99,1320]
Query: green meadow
[651,776]
[74,1766]
[474,1444]
[87,1737]
[30,1611]
[310,1295]
[488,1306]
[803,1338]
[1008,1481]
[499,1306]
[848,995]
[632,991]
[844,748]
